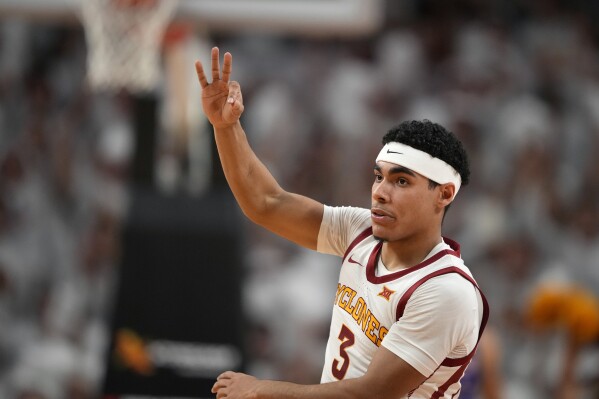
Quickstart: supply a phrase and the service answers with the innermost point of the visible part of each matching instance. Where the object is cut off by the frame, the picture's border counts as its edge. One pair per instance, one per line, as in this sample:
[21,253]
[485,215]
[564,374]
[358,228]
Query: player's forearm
[252,184]
[346,389]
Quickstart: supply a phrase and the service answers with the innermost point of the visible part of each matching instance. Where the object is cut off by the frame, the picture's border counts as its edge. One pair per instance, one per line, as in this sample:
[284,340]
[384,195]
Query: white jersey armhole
[339,227]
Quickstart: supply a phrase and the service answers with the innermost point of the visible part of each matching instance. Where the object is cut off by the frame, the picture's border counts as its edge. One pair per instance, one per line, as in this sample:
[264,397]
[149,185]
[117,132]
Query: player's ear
[446,194]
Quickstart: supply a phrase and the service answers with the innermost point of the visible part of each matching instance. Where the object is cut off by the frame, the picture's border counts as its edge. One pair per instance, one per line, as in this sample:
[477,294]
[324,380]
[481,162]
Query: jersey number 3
[347,339]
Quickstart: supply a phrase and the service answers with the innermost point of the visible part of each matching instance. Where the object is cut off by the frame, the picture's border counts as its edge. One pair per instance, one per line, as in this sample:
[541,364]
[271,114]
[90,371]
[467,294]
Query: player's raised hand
[221,100]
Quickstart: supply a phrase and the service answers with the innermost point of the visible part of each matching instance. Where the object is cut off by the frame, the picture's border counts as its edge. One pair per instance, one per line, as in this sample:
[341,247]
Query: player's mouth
[381,216]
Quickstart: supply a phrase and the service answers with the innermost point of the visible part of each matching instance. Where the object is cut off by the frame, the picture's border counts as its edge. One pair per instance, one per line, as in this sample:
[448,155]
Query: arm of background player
[388,376]
[490,360]
[260,197]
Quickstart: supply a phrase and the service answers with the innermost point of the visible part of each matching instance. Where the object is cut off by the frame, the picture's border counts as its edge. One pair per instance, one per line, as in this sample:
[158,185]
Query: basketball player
[407,315]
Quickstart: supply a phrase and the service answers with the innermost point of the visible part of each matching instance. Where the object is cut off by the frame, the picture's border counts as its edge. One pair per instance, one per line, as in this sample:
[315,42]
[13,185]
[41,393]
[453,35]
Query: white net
[124,39]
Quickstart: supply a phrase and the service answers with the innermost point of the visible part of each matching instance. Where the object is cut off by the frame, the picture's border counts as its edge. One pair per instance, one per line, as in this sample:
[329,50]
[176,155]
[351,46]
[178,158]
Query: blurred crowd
[518,84]
[63,163]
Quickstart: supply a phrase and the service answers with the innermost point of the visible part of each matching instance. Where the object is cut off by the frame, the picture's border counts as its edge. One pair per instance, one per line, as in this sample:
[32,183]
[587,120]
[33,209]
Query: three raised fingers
[228,60]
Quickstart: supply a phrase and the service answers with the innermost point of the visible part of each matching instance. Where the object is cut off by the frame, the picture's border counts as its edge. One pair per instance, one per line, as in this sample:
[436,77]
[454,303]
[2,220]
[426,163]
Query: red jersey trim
[356,241]
[455,377]
[462,362]
[374,256]
[401,305]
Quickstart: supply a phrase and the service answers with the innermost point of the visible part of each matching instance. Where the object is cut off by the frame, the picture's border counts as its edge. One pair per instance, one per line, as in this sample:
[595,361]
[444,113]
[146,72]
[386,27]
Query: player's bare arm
[260,197]
[388,376]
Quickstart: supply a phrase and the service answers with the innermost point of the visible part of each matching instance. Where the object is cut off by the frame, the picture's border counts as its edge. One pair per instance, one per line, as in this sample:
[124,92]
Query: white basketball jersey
[369,309]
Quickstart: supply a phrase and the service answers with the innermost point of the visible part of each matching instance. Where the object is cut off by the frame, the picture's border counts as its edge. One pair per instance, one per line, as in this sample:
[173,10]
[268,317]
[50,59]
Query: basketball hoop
[124,38]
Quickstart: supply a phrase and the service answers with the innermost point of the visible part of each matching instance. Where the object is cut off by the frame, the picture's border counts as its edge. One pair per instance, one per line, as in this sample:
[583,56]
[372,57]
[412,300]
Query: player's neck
[402,254]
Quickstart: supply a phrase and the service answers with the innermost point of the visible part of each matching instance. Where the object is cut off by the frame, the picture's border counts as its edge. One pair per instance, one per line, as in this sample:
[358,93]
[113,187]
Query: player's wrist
[224,128]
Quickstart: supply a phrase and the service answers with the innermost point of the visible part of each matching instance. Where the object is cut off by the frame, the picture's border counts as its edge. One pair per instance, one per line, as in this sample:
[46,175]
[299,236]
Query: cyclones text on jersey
[358,309]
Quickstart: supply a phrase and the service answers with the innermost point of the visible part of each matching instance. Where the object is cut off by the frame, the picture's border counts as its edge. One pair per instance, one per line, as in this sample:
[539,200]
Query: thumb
[235,98]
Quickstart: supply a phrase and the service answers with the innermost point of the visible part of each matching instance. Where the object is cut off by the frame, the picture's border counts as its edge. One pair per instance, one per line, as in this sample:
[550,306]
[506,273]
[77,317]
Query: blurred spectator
[483,378]
[517,81]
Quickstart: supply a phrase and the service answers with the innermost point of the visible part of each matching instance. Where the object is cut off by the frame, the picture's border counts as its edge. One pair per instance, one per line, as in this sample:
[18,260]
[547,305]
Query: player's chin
[379,233]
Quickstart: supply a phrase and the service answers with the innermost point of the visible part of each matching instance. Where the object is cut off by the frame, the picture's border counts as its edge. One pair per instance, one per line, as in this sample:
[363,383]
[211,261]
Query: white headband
[420,162]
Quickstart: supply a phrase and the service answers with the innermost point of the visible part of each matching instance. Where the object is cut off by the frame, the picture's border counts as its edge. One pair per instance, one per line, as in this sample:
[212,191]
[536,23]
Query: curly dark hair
[433,139]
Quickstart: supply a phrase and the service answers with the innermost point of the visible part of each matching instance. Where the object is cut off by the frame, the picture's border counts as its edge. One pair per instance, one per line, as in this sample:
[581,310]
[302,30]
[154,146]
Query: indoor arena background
[127,270]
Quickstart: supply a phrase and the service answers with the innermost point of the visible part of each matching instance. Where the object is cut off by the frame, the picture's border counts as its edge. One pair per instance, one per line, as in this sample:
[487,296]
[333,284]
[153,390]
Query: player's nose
[380,192]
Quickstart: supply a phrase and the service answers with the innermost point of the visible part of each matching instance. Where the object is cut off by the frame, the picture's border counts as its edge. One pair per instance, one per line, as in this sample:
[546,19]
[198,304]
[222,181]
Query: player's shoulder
[355,219]
[452,290]
[340,226]
[351,213]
